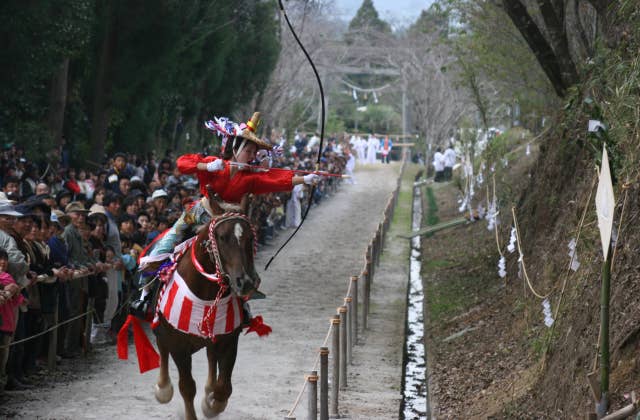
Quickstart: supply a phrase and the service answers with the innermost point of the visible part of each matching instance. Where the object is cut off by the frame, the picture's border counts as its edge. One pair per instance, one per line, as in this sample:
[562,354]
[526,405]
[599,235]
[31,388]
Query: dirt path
[304,286]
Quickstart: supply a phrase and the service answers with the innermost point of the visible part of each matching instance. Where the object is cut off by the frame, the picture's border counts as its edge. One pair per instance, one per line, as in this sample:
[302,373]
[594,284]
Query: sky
[397,12]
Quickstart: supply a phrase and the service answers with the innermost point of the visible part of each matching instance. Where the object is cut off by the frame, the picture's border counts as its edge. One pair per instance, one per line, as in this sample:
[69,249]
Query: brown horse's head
[234,239]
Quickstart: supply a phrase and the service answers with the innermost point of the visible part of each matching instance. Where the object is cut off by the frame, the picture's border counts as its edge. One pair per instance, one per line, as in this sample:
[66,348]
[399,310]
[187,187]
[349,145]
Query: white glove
[311,179]
[215,165]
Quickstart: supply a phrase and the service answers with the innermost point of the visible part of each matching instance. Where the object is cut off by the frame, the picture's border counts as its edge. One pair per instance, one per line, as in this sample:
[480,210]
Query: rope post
[349,327]
[312,379]
[53,337]
[342,311]
[324,383]
[374,252]
[354,317]
[88,322]
[372,257]
[379,237]
[335,373]
[365,297]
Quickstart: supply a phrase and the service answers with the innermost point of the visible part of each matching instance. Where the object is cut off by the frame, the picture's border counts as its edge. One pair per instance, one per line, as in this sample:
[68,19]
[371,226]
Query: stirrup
[140,308]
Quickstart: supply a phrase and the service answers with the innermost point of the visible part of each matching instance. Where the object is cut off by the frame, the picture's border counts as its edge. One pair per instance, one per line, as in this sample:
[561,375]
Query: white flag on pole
[605,203]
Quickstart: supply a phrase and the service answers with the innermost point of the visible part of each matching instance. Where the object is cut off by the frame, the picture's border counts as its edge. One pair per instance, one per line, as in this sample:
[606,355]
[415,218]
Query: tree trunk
[537,42]
[102,94]
[553,16]
[58,101]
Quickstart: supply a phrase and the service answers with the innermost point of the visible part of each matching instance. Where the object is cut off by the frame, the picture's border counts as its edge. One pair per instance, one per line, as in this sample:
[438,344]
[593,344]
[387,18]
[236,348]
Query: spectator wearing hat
[78,289]
[18,265]
[160,199]
[63,198]
[19,229]
[47,199]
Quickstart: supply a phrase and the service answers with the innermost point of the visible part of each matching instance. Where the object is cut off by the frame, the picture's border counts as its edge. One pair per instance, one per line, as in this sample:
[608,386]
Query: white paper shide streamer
[492,215]
[512,241]
[546,311]
[502,270]
[575,264]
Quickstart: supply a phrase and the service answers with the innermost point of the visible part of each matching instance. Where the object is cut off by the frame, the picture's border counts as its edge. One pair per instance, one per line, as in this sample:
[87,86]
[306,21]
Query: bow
[315,72]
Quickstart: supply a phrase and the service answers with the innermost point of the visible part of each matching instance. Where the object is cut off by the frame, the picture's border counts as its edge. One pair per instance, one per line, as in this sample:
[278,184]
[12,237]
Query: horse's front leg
[164,388]
[186,383]
[226,351]
[210,407]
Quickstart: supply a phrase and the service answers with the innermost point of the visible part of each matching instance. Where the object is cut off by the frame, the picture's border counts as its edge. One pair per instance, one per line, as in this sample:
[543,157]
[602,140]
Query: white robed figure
[360,146]
[372,148]
[294,208]
[349,167]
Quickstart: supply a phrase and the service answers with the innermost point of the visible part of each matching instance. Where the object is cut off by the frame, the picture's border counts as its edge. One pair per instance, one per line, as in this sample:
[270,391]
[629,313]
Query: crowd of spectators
[70,236]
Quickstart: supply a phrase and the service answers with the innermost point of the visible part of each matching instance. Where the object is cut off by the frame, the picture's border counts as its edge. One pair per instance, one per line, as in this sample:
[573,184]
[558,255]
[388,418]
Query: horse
[225,247]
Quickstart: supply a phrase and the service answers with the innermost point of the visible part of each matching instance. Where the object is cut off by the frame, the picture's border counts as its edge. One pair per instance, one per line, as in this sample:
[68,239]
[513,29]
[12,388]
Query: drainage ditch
[415,401]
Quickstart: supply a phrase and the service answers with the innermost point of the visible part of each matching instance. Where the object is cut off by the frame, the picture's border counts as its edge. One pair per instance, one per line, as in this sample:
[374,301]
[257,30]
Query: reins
[211,245]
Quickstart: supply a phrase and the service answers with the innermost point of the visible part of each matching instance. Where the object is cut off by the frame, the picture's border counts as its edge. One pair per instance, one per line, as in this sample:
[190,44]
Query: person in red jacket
[229,176]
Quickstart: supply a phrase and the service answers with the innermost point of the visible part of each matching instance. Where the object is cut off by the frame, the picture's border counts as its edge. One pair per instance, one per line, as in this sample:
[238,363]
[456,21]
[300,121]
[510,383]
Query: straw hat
[250,129]
[75,206]
[58,216]
[97,209]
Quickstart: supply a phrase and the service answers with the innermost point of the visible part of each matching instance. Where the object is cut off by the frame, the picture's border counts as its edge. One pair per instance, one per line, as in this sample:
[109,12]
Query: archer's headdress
[226,128]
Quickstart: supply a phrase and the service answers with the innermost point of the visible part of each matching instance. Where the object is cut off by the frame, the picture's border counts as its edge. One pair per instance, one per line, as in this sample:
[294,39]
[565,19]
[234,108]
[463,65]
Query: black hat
[63,193]
[135,193]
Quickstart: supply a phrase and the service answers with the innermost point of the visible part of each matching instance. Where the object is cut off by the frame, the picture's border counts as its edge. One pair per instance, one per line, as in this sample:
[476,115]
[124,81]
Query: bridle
[211,245]
[220,277]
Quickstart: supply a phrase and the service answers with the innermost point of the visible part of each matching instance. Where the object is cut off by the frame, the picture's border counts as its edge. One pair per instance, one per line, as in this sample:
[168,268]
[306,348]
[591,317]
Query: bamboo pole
[602,406]
[335,372]
[324,383]
[312,406]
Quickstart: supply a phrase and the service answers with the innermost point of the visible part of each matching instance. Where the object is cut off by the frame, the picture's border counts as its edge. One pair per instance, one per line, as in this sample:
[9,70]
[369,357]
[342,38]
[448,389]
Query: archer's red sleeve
[273,181]
[187,164]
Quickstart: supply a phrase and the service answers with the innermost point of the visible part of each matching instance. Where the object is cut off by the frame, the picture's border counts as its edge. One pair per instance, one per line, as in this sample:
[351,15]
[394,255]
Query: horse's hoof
[212,407]
[164,395]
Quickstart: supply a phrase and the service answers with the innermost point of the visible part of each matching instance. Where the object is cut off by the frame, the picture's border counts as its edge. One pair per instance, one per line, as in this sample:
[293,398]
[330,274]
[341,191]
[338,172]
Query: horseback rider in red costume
[230,176]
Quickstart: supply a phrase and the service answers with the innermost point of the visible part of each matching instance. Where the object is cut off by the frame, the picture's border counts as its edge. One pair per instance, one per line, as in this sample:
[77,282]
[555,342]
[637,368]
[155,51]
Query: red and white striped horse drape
[186,312]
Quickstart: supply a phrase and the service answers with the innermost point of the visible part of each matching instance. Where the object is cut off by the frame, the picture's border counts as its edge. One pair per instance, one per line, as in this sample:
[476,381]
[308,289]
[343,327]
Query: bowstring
[315,72]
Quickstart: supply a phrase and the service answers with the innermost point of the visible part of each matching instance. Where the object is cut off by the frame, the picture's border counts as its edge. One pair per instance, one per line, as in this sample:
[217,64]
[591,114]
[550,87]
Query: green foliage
[170,61]
[378,119]
[335,124]
[36,37]
[502,145]
[432,208]
[367,18]
[496,65]
[611,95]
[433,19]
